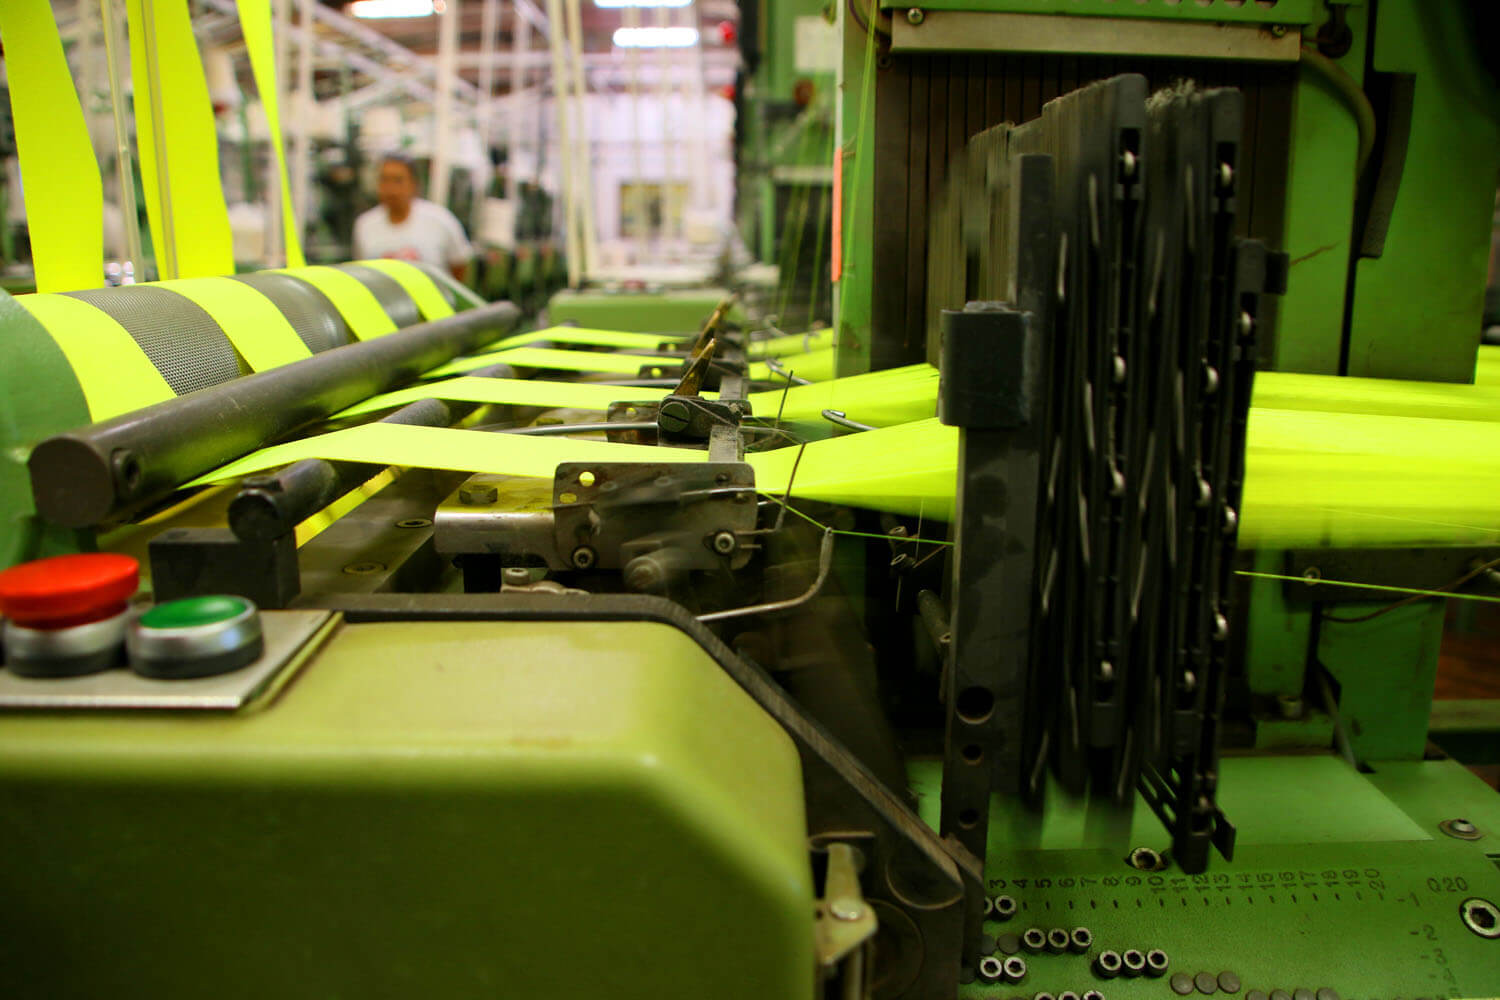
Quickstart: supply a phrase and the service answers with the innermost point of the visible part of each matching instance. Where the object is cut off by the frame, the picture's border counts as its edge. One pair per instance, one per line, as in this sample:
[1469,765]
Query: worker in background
[407,227]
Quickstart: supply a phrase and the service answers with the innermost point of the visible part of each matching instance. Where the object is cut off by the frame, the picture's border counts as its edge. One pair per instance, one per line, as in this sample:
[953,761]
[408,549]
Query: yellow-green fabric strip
[255,26]
[509,392]
[356,303]
[422,289]
[447,448]
[113,371]
[184,198]
[814,366]
[64,197]
[254,325]
[791,343]
[560,360]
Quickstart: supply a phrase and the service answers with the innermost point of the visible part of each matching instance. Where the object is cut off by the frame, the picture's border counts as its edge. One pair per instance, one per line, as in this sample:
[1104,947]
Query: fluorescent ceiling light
[391,8]
[642,3]
[656,38]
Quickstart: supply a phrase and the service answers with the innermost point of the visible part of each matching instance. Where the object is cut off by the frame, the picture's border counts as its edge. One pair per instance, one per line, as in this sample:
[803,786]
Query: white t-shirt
[429,234]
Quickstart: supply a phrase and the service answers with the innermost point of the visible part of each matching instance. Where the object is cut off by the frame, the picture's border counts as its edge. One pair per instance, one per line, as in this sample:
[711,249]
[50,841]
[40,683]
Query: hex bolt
[477,494]
[584,557]
[991,969]
[1157,962]
[1460,829]
[1005,907]
[1107,964]
[915,16]
[1133,962]
[1057,940]
[724,542]
[1034,939]
[1081,940]
[1015,969]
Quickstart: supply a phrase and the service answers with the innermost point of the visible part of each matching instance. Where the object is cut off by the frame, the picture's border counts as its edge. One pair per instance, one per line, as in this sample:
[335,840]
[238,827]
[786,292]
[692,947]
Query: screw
[674,417]
[1134,962]
[1107,965]
[1005,907]
[1460,829]
[1081,940]
[477,494]
[1057,940]
[1278,31]
[724,542]
[915,16]
[1157,962]
[899,531]
[584,557]
[364,568]
[991,969]
[1015,969]
[844,908]
[1480,916]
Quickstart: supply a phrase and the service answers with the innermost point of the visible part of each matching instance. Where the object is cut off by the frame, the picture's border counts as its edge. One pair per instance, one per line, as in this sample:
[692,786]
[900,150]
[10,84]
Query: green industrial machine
[614,658]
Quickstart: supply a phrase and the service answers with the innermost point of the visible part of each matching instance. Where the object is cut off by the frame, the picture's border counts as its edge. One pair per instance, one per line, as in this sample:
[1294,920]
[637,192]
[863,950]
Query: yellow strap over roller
[417,283]
[113,371]
[255,26]
[253,324]
[178,143]
[64,197]
[356,303]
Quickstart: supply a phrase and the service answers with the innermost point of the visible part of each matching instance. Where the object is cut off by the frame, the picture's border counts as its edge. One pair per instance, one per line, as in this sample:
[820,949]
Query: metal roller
[105,471]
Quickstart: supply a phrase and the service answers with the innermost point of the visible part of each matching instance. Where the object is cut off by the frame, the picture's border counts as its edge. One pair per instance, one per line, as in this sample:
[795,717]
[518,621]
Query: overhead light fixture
[641,3]
[656,38]
[393,8]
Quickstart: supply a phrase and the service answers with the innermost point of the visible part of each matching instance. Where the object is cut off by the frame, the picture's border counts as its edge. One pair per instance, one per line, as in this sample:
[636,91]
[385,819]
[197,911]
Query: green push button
[195,637]
[192,612]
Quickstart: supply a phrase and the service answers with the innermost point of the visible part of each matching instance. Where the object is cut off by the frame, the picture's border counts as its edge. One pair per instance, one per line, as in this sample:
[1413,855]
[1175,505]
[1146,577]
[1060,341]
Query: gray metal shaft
[105,471]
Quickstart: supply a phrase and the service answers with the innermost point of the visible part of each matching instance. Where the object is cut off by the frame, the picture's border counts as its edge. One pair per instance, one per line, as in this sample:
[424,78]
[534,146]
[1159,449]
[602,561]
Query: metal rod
[105,471]
[552,430]
[825,562]
[838,417]
[111,14]
[269,506]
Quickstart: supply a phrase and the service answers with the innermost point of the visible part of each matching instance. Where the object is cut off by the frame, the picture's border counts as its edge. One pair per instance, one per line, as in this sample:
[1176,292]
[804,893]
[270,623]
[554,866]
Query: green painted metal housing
[526,810]
[1231,11]
[682,311]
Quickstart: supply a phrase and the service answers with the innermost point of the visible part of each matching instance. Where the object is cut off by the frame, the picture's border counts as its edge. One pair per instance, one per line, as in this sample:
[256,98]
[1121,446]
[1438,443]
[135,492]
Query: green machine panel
[526,810]
[660,312]
[1341,881]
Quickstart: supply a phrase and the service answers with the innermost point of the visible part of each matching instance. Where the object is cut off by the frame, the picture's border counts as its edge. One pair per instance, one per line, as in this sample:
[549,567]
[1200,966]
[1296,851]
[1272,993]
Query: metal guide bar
[1250,11]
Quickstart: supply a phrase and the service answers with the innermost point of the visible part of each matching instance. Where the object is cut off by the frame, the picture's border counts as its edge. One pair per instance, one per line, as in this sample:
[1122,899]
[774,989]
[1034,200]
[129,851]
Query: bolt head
[915,16]
[584,557]
[478,494]
[846,909]
[724,542]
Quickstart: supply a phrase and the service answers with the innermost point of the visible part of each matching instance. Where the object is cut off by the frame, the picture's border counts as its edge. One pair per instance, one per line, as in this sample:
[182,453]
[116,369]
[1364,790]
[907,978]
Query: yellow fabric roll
[423,290]
[356,303]
[255,327]
[112,370]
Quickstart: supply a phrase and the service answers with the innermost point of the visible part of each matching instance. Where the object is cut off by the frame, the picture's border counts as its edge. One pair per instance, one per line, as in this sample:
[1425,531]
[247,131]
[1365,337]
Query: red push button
[68,590]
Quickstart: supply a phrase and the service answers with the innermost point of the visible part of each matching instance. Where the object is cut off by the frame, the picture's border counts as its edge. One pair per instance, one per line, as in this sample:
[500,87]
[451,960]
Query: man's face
[396,186]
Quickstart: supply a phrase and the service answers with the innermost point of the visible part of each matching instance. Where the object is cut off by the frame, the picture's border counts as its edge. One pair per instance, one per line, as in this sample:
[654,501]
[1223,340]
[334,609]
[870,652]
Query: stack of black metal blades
[1149,322]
